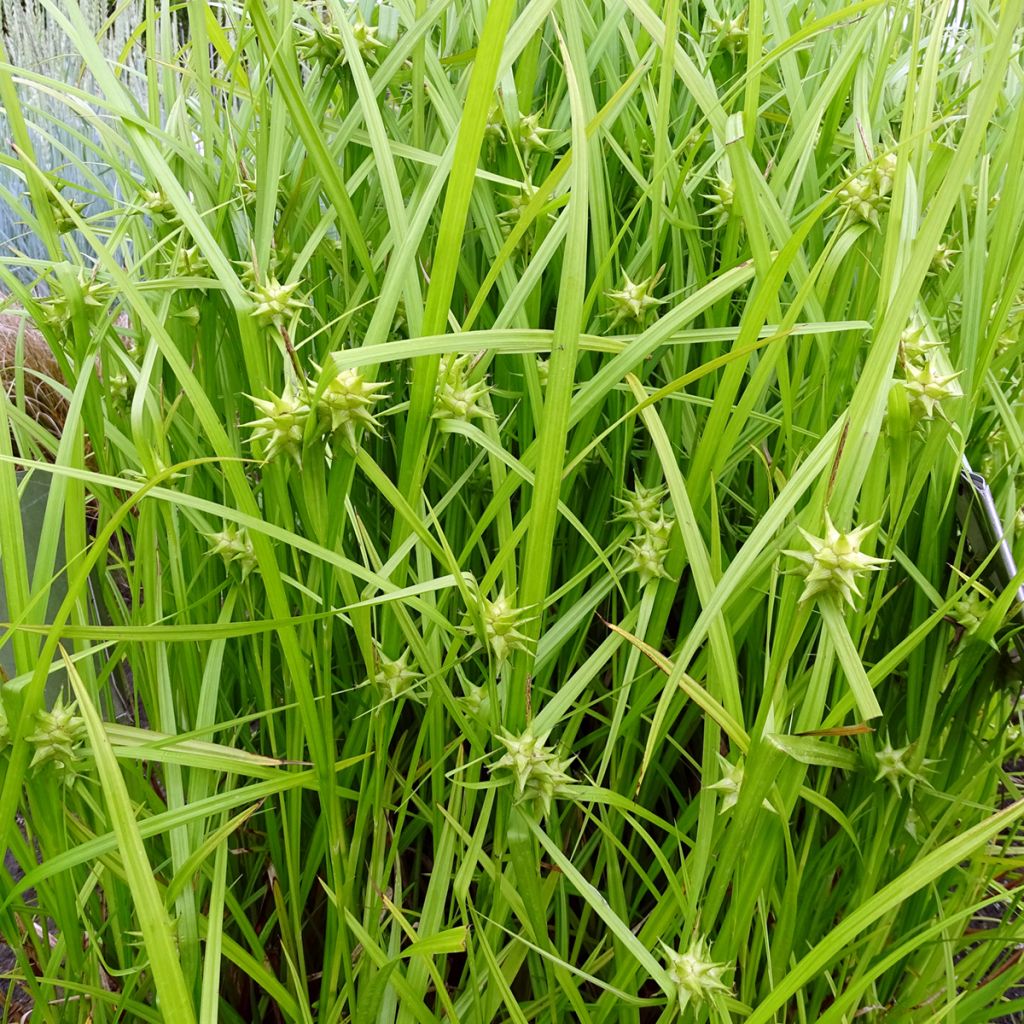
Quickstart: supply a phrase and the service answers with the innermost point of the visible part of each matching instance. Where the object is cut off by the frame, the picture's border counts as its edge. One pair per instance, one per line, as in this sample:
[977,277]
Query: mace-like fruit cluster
[234,546]
[696,977]
[455,396]
[634,300]
[835,561]
[645,509]
[894,767]
[58,738]
[538,773]
[344,403]
[396,678]
[866,195]
[502,622]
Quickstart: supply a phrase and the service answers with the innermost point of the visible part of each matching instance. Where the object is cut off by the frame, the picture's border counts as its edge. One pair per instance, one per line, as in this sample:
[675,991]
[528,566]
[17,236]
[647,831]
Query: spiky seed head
[64,220]
[478,702]
[915,345]
[722,197]
[192,262]
[696,977]
[634,300]
[835,561]
[543,368]
[58,737]
[367,41]
[927,389]
[117,388]
[731,32]
[494,129]
[234,546]
[190,314]
[396,678]
[501,627]
[647,555]
[729,783]
[88,292]
[942,258]
[538,773]
[969,610]
[531,134]
[642,506]
[156,204]
[454,396]
[860,197]
[282,425]
[894,767]
[273,302]
[346,403]
[883,173]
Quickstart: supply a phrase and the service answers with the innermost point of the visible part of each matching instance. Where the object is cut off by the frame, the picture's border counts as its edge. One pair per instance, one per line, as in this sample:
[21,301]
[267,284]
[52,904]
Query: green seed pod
[346,403]
[697,978]
[454,396]
[634,300]
[538,774]
[282,426]
[395,678]
[835,561]
[234,547]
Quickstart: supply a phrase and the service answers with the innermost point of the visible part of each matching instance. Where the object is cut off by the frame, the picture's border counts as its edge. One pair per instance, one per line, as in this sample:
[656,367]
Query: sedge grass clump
[320,648]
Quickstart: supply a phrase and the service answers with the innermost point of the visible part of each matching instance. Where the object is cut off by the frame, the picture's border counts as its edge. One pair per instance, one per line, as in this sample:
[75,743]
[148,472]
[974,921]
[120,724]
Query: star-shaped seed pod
[454,396]
[648,552]
[722,197]
[396,678]
[861,198]
[64,221]
[634,300]
[642,506]
[916,346]
[927,389]
[234,546]
[538,773]
[58,738]
[93,295]
[494,129]
[969,611]
[731,782]
[156,204]
[273,302]
[346,403]
[894,767]
[531,134]
[835,561]
[282,425]
[731,32]
[696,977]
[942,258]
[501,627]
